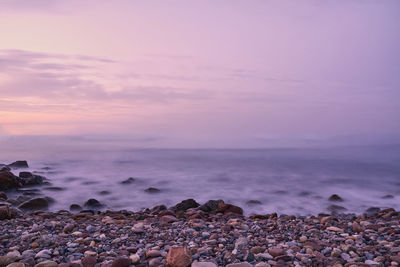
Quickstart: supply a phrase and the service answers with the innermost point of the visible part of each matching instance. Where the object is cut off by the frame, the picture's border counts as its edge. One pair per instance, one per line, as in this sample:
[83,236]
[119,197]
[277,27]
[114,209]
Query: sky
[200,73]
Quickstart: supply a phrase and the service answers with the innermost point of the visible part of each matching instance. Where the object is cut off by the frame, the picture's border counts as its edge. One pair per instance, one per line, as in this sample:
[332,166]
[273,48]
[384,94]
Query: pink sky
[200,72]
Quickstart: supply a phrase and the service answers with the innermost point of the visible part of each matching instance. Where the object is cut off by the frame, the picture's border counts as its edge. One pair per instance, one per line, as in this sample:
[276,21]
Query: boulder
[336,198]
[179,257]
[211,205]
[8,180]
[93,203]
[39,203]
[128,181]
[152,190]
[226,208]
[7,212]
[28,178]
[185,205]
[75,207]
[121,262]
[19,164]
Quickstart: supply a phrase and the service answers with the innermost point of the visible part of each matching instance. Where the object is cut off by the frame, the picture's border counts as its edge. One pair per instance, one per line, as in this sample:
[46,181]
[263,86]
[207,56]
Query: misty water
[288,181]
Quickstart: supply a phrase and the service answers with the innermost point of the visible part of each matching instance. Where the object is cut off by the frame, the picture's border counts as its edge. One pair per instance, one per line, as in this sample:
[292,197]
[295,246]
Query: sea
[293,181]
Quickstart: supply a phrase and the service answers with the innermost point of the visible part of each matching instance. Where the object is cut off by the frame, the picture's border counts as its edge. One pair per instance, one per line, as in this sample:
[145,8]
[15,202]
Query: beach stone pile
[186,235]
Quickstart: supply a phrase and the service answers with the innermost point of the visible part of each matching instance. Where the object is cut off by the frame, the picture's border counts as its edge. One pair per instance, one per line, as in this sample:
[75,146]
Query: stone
[75,207]
[225,208]
[372,211]
[45,253]
[121,262]
[14,255]
[334,229]
[240,264]
[372,263]
[185,205]
[257,250]
[152,190]
[155,262]
[16,264]
[39,203]
[88,261]
[211,205]
[203,264]
[135,258]
[153,253]
[128,181]
[3,196]
[276,252]
[240,243]
[28,178]
[336,198]
[68,228]
[357,228]
[93,203]
[303,239]
[253,202]
[168,219]
[8,180]
[4,261]
[179,257]
[336,209]
[7,213]
[47,264]
[19,164]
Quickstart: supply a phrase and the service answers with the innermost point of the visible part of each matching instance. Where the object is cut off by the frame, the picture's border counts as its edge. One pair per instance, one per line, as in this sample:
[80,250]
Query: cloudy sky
[200,73]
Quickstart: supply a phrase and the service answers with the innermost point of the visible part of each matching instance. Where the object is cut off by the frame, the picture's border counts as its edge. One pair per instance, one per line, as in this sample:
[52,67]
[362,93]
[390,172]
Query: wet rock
[75,207]
[179,257]
[7,212]
[336,198]
[152,190]
[335,209]
[225,208]
[185,205]
[3,196]
[93,203]
[35,204]
[128,181]
[121,262]
[28,178]
[211,205]
[19,164]
[8,180]
[372,211]
[47,263]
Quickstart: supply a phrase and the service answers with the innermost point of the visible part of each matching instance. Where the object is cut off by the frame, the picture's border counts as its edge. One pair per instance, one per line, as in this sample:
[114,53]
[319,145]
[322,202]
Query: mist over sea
[295,181]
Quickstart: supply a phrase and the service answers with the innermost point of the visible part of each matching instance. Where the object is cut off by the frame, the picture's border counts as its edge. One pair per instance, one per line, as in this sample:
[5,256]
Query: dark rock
[335,209]
[211,205]
[8,180]
[19,164]
[7,212]
[28,178]
[152,190]
[128,181]
[93,203]
[158,208]
[89,261]
[104,192]
[25,174]
[225,208]
[40,203]
[253,202]
[3,196]
[276,252]
[185,205]
[372,211]
[121,262]
[336,198]
[54,188]
[388,197]
[75,207]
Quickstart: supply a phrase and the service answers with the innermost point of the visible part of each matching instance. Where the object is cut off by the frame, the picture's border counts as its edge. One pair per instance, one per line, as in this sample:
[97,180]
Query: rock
[153,253]
[225,208]
[47,264]
[7,212]
[8,180]
[303,239]
[372,263]
[135,258]
[387,197]
[45,253]
[31,179]
[40,203]
[104,192]
[152,190]
[276,252]
[4,261]
[336,198]
[3,196]
[75,207]
[211,205]
[335,209]
[19,164]
[16,264]
[89,253]
[88,261]
[240,264]
[179,257]
[372,211]
[93,203]
[121,262]
[155,262]
[68,228]
[253,202]
[357,228]
[14,255]
[128,181]
[168,219]
[185,205]
[203,264]
[257,250]
[240,244]
[334,229]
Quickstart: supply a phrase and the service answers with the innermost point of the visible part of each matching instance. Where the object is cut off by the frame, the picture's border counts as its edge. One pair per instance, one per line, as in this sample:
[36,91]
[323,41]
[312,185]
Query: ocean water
[287,181]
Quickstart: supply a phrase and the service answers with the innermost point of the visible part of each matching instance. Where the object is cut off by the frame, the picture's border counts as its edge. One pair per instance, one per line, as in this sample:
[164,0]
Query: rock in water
[19,164]
[93,203]
[225,208]
[152,190]
[179,257]
[8,180]
[7,213]
[128,181]
[211,205]
[335,197]
[29,178]
[185,205]
[40,203]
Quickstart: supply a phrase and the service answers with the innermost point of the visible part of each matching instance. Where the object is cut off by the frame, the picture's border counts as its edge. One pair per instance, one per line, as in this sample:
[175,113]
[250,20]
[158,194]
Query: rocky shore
[187,234]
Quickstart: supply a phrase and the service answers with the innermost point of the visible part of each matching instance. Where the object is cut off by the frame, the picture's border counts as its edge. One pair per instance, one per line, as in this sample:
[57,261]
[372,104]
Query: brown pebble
[121,262]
